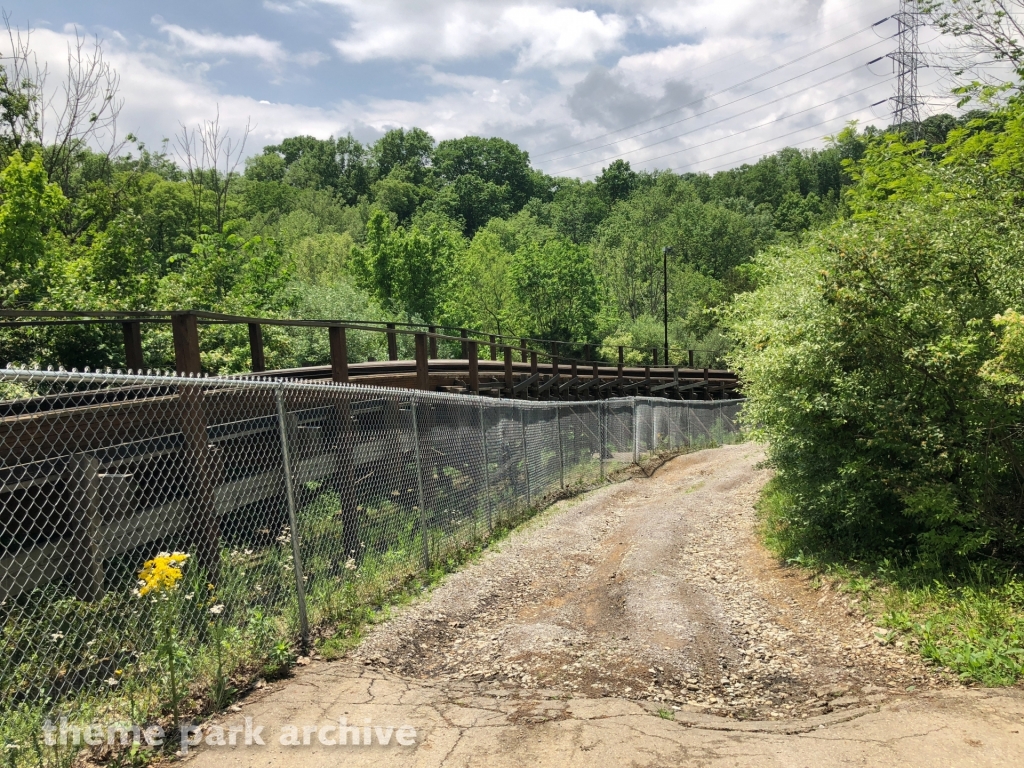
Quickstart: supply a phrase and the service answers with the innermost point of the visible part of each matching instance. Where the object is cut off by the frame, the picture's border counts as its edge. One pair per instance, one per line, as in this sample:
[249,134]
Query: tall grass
[968,620]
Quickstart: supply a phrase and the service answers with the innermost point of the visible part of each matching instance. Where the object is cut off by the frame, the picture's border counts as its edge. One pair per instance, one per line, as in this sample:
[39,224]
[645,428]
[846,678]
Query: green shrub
[881,357]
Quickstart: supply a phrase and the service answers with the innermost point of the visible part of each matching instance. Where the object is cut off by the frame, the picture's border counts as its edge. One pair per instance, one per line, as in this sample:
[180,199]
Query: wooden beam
[339,354]
[433,342]
[654,354]
[622,357]
[133,345]
[474,366]
[526,383]
[551,382]
[422,363]
[573,382]
[392,342]
[185,334]
[691,357]
[465,335]
[494,348]
[259,361]
[533,363]
[522,347]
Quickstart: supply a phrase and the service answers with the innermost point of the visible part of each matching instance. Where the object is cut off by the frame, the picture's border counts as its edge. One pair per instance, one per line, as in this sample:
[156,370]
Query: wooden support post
[654,354]
[185,333]
[422,363]
[339,353]
[133,345]
[707,389]
[201,508]
[474,367]
[83,484]
[392,342]
[691,358]
[433,342]
[344,475]
[283,421]
[256,355]
[533,363]
[522,347]
[494,349]
[424,530]
[586,353]
[622,357]
[510,382]
[465,335]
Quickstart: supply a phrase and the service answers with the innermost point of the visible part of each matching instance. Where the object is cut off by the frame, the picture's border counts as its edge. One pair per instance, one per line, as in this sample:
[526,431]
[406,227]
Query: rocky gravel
[656,590]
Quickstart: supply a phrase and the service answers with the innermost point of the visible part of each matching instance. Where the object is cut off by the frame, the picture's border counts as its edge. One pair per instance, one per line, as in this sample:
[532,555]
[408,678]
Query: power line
[718,93]
[782,136]
[731,135]
[735,101]
[759,155]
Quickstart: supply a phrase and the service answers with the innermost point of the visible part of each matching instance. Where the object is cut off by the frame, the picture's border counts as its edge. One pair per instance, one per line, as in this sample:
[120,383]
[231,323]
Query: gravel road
[656,590]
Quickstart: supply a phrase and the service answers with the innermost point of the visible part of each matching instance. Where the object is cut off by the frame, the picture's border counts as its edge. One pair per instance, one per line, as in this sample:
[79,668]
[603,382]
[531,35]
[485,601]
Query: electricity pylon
[906,112]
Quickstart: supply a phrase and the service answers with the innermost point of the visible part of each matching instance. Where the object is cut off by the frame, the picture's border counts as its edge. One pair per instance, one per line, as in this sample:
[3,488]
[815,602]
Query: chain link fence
[298,505]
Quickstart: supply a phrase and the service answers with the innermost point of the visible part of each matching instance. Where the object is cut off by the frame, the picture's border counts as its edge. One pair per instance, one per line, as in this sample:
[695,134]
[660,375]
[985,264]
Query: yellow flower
[162,573]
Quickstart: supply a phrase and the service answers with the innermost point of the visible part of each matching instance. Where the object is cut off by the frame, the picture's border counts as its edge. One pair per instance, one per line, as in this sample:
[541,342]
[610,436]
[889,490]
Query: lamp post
[664,258]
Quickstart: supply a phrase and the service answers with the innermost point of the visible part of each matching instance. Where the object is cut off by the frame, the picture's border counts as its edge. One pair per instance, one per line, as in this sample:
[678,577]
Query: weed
[666,714]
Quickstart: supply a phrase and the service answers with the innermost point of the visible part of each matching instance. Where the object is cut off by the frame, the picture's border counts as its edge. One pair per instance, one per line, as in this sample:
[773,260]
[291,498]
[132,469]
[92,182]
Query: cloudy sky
[683,84]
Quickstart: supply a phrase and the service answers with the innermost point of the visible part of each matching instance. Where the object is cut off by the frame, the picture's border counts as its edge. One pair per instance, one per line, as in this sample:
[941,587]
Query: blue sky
[704,83]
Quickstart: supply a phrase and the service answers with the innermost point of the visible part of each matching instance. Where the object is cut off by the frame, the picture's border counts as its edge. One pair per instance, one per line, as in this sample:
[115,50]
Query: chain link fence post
[561,453]
[419,483]
[300,583]
[636,433]
[526,457]
[487,471]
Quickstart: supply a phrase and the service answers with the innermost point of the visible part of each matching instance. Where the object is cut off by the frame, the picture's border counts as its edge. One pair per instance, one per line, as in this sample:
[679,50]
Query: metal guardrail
[294,500]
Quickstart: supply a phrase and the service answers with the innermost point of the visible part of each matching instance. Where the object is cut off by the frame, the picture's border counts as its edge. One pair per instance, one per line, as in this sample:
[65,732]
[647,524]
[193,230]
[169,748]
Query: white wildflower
[218,609]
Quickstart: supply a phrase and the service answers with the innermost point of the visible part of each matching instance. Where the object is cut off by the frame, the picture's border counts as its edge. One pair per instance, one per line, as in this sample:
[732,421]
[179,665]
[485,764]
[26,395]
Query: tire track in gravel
[655,590]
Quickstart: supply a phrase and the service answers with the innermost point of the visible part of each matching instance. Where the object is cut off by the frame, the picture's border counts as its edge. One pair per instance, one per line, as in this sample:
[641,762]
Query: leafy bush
[882,357]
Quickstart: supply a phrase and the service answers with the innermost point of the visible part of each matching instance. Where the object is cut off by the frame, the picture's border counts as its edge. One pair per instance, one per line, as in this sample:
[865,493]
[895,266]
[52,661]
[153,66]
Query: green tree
[406,270]
[555,285]
[491,177]
[29,205]
[399,148]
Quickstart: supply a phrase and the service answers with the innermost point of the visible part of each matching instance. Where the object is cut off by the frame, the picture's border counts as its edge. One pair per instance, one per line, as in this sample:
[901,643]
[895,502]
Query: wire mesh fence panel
[136,509]
[619,432]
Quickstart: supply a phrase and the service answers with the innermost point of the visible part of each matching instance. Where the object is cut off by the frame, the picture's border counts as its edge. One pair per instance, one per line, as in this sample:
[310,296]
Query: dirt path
[652,590]
[561,648]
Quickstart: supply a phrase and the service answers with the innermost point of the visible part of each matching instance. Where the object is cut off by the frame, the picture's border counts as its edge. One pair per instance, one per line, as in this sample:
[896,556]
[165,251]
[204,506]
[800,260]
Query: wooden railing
[544,369]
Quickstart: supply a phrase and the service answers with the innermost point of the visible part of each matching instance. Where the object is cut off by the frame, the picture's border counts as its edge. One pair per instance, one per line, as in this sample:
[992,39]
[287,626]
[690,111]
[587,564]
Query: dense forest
[461,232]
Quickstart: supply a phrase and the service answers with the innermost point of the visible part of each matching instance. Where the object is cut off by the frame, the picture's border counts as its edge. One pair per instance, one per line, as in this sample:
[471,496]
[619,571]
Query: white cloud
[281,7]
[202,44]
[570,80]
[540,34]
